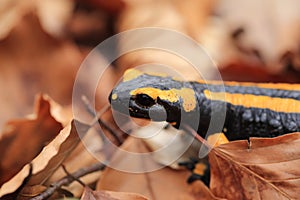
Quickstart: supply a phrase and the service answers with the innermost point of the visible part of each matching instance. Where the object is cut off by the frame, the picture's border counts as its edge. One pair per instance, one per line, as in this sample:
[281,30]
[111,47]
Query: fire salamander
[251,109]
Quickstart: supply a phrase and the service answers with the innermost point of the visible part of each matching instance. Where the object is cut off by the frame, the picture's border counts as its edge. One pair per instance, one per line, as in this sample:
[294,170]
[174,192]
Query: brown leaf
[89,26]
[54,15]
[109,195]
[11,11]
[201,191]
[34,62]
[242,72]
[23,139]
[112,6]
[164,183]
[32,191]
[78,159]
[268,170]
[167,15]
[50,158]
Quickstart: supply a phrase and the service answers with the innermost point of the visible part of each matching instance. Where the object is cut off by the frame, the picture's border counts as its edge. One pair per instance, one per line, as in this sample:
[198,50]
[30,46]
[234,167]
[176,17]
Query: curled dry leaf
[109,195]
[269,169]
[36,131]
[50,158]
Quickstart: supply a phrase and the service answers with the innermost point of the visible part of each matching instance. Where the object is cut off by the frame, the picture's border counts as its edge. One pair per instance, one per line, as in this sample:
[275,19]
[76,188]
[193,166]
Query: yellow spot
[200,168]
[173,95]
[188,97]
[217,139]
[279,86]
[157,74]
[131,74]
[173,123]
[264,102]
[114,96]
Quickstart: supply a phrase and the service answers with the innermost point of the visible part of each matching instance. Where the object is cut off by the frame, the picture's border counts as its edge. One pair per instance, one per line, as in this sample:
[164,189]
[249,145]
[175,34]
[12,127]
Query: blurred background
[43,42]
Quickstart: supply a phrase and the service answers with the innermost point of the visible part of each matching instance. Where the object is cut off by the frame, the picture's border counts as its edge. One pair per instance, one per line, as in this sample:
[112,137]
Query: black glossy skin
[240,122]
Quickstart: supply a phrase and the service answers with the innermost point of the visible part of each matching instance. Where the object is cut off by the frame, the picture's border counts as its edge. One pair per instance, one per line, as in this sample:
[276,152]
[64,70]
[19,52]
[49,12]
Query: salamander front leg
[200,169]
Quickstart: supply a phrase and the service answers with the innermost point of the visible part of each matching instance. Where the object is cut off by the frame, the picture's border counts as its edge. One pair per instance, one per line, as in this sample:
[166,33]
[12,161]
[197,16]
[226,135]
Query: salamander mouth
[140,106]
[136,110]
[155,112]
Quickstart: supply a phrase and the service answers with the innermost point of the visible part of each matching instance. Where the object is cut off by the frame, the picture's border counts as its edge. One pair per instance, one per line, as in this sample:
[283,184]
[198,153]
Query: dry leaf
[109,195]
[268,170]
[201,191]
[112,6]
[242,72]
[33,62]
[44,165]
[22,140]
[54,15]
[270,31]
[169,14]
[11,11]
[32,191]
[164,183]
[89,26]
[78,159]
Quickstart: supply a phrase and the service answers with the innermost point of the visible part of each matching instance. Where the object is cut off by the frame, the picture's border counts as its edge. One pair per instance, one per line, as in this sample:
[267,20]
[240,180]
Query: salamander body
[240,110]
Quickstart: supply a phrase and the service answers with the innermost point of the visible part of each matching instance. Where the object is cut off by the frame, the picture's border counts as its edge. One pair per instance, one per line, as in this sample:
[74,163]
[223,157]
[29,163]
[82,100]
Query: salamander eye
[144,100]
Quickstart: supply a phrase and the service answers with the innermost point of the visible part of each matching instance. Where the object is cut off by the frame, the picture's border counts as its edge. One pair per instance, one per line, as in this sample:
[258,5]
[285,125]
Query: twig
[97,119]
[113,132]
[69,179]
[74,178]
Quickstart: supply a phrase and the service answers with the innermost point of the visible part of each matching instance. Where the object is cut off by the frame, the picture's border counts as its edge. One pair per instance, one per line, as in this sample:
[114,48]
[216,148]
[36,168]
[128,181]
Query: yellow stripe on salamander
[173,95]
[250,100]
[279,86]
[131,74]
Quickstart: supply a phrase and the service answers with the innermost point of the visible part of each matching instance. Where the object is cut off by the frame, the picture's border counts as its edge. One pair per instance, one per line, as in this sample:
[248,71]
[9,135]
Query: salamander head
[150,96]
